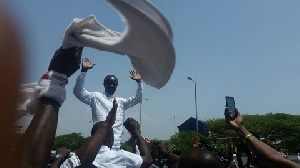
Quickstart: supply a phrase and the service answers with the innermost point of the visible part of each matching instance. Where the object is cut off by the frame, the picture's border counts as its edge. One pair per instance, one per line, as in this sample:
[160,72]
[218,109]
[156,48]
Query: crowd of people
[103,148]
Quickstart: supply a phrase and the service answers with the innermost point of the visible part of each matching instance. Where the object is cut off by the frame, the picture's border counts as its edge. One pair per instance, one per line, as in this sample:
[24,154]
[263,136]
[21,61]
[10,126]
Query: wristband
[247,137]
[139,81]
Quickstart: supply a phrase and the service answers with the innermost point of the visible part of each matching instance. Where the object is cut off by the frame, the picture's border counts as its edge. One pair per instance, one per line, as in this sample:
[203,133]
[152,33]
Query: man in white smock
[101,103]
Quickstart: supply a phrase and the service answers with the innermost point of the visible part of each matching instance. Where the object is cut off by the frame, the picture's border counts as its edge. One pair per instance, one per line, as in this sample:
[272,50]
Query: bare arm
[133,127]
[38,139]
[87,153]
[173,158]
[263,150]
[62,152]
[36,145]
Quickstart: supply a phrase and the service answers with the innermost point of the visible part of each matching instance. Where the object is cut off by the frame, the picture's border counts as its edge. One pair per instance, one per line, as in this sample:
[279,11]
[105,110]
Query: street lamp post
[189,78]
[141,114]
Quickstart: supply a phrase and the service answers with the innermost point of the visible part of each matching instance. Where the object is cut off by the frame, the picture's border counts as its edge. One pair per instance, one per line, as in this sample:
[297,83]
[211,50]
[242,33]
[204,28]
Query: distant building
[190,124]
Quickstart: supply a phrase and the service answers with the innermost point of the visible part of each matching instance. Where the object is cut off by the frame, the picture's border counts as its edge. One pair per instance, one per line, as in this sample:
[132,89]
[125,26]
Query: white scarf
[147,40]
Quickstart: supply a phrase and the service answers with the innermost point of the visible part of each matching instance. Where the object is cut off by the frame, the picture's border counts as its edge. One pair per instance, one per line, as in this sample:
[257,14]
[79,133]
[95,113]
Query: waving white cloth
[26,91]
[147,39]
[51,85]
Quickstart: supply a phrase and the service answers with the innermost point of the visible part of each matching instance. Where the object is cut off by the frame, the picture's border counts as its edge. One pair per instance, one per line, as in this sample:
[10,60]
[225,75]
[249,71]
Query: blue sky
[246,49]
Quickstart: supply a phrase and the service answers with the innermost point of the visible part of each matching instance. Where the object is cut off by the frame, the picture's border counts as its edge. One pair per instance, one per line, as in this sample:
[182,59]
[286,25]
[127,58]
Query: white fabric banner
[147,40]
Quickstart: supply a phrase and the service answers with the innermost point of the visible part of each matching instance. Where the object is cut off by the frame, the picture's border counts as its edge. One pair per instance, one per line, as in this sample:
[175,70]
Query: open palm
[87,64]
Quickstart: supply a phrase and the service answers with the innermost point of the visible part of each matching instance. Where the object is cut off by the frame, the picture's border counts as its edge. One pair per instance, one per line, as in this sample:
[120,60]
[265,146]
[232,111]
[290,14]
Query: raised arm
[263,150]
[79,90]
[173,158]
[139,92]
[61,153]
[35,147]
[87,153]
[133,127]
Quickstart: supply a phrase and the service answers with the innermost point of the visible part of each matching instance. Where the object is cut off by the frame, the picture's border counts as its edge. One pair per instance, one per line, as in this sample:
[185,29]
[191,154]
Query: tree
[279,127]
[72,141]
[183,140]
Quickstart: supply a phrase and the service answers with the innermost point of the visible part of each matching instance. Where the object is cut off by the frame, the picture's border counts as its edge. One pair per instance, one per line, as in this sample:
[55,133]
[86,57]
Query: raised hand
[111,117]
[66,61]
[135,76]
[235,123]
[63,152]
[162,148]
[86,65]
[132,126]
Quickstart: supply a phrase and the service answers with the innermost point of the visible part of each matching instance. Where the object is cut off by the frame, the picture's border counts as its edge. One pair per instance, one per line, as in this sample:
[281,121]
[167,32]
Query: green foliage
[183,140]
[125,146]
[72,141]
[279,126]
[273,127]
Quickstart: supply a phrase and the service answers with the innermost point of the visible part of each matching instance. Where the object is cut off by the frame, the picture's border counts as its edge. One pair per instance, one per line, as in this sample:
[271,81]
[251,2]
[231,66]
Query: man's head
[199,158]
[110,84]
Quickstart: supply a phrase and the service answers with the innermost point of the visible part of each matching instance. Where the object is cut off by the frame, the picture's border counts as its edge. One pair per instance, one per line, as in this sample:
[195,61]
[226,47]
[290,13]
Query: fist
[132,126]
[66,61]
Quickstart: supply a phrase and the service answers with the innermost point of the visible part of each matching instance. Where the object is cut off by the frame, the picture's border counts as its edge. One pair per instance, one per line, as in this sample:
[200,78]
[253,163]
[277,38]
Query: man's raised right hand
[86,65]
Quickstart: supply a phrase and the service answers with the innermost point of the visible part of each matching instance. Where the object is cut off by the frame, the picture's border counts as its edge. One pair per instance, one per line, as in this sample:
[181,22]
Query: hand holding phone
[230,104]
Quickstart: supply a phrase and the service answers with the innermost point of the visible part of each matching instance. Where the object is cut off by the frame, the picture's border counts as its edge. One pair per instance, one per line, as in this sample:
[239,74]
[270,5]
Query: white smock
[101,105]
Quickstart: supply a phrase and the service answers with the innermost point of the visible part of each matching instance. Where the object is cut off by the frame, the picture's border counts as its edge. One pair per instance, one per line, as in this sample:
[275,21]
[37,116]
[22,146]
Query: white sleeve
[135,100]
[80,92]
[71,162]
[133,160]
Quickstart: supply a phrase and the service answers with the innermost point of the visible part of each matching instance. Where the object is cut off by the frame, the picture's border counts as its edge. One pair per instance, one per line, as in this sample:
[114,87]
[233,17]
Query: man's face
[110,84]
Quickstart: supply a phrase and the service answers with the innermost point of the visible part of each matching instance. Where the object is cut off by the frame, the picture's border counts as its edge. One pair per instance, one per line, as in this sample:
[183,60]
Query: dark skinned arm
[87,153]
[35,147]
[40,134]
[133,127]
[63,152]
[173,158]
[263,150]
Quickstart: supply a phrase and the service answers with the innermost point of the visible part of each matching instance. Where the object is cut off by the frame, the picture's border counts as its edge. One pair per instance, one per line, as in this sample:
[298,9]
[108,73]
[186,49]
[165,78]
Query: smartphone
[231,105]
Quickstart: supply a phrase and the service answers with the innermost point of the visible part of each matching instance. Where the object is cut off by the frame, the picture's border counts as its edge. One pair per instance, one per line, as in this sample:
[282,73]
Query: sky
[246,49]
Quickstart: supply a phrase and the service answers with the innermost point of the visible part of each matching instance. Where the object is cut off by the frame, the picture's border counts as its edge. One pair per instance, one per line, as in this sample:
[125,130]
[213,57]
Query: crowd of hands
[40,135]
[35,147]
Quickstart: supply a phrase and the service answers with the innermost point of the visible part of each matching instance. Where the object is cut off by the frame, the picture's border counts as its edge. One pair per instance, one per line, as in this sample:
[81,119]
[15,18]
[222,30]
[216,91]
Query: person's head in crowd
[72,55]
[110,84]
[199,158]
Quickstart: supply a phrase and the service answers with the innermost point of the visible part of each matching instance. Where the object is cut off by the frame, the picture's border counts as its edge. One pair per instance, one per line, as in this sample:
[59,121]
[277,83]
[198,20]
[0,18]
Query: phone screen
[231,105]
